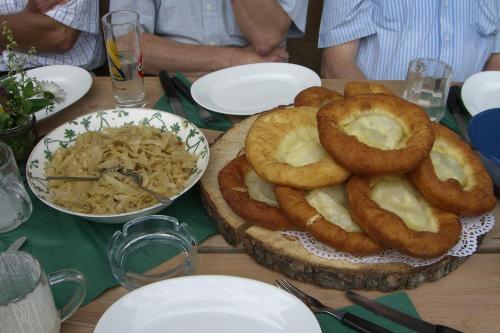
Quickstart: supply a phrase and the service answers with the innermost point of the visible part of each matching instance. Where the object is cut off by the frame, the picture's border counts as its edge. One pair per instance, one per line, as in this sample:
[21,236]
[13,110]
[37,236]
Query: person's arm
[343,24]
[493,63]
[160,53]
[39,30]
[263,22]
[339,61]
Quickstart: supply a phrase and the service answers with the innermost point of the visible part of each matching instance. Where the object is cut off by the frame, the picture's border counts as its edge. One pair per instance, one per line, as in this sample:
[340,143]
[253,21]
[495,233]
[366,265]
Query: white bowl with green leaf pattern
[65,135]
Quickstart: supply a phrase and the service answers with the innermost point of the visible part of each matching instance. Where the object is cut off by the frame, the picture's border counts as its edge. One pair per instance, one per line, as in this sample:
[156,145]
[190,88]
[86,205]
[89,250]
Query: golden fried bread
[251,197]
[316,96]
[392,212]
[283,147]
[365,88]
[375,134]
[453,177]
[324,214]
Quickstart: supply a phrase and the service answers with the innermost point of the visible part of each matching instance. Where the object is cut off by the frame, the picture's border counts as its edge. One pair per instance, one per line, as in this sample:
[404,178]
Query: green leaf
[49,95]
[38,104]
[26,103]
[6,120]
[29,90]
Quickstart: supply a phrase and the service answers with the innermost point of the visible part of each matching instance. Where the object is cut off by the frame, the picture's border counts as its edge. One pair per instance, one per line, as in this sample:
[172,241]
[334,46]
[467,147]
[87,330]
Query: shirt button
[209,7]
[446,39]
[445,2]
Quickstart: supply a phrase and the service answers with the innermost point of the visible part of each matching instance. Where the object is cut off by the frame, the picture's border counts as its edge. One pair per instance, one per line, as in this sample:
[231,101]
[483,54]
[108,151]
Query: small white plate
[250,89]
[75,82]
[481,92]
[208,303]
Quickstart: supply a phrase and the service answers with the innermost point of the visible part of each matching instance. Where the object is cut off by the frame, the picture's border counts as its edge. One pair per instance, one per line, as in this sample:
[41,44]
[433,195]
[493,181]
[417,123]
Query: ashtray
[152,248]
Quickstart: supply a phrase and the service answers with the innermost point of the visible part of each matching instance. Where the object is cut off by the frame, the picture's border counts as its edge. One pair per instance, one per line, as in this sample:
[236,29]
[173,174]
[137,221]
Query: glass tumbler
[26,302]
[123,39]
[15,203]
[427,84]
[152,248]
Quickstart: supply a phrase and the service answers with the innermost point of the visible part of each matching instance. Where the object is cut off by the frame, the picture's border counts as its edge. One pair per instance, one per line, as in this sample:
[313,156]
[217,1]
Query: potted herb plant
[20,97]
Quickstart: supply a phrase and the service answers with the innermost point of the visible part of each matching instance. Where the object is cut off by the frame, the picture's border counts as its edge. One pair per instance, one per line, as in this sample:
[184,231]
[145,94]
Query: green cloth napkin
[60,241]
[449,121]
[220,123]
[398,301]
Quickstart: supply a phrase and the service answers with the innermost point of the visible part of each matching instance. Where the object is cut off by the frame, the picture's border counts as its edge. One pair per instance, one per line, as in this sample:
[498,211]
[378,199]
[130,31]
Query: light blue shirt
[462,33]
[202,22]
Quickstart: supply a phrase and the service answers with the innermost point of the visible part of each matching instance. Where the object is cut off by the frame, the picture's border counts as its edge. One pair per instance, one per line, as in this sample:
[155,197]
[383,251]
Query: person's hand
[248,55]
[42,6]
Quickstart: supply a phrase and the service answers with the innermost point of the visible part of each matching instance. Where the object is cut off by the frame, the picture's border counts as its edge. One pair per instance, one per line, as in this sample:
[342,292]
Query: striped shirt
[202,22]
[462,33]
[82,15]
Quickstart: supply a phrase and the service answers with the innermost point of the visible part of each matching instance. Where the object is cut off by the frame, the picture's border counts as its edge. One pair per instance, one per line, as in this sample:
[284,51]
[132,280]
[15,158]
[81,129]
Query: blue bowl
[484,133]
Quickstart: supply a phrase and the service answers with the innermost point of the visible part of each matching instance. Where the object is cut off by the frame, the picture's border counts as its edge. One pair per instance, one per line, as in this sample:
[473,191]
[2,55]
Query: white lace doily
[472,228]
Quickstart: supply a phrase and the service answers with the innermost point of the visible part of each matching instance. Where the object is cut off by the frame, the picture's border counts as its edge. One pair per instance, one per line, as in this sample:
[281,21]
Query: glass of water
[15,203]
[123,39]
[427,84]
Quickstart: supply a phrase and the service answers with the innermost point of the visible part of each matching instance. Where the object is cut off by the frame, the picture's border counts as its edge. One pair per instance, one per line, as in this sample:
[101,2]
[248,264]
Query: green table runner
[398,301]
[59,240]
[449,121]
[220,122]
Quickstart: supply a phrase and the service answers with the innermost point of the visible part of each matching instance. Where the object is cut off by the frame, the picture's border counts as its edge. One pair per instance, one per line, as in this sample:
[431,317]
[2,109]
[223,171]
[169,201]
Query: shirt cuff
[360,26]
[496,46]
[297,10]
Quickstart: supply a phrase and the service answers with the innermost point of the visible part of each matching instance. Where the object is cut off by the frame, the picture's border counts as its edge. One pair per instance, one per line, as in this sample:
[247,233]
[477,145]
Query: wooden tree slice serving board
[286,254]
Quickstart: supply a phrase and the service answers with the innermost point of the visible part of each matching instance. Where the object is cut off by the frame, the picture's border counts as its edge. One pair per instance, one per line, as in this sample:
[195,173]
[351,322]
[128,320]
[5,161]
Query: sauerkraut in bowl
[169,152]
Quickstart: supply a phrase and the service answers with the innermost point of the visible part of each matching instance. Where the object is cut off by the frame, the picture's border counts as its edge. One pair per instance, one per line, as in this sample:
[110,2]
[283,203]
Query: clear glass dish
[152,248]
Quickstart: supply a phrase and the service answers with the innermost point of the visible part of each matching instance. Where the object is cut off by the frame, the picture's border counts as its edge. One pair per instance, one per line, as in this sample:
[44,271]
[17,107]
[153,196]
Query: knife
[172,97]
[17,244]
[396,316]
[204,114]
[457,111]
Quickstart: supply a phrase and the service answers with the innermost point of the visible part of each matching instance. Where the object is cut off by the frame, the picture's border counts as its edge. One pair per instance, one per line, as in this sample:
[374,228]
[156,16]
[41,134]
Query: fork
[348,319]
[134,175]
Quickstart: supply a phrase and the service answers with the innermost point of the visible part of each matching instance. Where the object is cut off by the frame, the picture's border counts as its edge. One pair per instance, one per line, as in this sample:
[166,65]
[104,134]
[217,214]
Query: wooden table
[467,299]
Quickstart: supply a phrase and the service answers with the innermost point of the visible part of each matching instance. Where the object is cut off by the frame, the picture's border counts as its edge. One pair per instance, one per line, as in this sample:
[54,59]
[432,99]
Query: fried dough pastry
[251,197]
[392,212]
[324,214]
[375,134]
[453,177]
[283,147]
[316,96]
[365,88]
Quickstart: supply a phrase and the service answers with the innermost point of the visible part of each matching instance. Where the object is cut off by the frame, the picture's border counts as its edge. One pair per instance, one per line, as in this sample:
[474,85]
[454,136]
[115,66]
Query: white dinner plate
[75,82]
[250,89]
[481,92]
[208,303]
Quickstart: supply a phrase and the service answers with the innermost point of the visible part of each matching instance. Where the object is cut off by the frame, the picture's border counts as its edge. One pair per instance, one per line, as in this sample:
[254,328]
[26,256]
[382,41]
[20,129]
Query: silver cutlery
[348,319]
[16,245]
[203,113]
[454,104]
[396,316]
[134,175]
[172,97]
